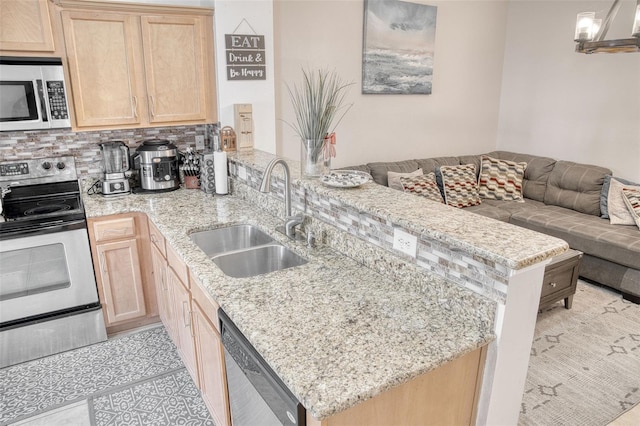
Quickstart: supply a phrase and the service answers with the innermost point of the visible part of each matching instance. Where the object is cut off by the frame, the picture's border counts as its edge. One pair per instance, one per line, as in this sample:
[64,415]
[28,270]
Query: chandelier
[591,32]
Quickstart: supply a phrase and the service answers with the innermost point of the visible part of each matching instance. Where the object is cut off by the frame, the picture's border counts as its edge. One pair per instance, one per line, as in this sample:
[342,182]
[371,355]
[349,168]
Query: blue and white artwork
[399,39]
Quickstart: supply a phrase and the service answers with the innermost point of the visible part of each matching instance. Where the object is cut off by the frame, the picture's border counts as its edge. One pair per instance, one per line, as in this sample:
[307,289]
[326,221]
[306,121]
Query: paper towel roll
[220,172]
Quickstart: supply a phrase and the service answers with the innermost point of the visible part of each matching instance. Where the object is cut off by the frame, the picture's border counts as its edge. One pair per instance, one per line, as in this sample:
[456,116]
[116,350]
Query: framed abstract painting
[398,47]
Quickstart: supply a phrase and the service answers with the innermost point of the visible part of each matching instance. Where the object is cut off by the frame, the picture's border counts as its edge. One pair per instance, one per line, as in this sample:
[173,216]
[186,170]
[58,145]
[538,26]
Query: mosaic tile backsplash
[469,271]
[84,146]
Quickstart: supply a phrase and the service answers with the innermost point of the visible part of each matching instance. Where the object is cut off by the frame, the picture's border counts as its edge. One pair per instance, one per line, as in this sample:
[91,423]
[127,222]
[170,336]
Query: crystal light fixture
[590,33]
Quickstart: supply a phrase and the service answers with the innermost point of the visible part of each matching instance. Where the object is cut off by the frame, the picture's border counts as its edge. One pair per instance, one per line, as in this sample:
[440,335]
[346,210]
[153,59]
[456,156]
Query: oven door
[46,273]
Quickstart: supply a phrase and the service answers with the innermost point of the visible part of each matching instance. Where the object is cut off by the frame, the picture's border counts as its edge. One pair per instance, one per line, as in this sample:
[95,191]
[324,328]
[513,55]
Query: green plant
[319,105]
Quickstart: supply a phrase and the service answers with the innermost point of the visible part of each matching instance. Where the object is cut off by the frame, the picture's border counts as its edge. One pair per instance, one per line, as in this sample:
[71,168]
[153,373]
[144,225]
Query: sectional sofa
[562,199]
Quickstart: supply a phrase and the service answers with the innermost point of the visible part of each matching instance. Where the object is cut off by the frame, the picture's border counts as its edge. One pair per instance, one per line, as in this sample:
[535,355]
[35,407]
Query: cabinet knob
[553,285]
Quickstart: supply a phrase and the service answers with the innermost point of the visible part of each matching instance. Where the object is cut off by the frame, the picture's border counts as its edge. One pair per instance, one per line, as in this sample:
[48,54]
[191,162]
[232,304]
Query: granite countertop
[335,332]
[509,245]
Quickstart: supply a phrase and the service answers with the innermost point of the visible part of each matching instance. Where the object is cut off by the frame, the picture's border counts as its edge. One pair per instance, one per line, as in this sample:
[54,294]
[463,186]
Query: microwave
[32,94]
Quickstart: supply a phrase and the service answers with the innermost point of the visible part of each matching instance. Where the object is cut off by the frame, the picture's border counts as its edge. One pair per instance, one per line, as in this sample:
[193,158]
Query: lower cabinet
[119,246]
[191,320]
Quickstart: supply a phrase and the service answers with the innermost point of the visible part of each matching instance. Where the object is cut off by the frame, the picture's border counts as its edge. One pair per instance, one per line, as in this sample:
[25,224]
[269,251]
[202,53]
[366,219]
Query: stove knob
[46,165]
[61,165]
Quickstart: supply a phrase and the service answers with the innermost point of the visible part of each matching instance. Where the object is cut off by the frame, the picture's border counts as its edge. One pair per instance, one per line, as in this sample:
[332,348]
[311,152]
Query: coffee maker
[115,162]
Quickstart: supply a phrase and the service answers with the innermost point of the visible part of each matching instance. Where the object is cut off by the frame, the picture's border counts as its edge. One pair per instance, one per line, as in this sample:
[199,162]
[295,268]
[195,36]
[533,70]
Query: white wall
[566,105]
[460,117]
[259,93]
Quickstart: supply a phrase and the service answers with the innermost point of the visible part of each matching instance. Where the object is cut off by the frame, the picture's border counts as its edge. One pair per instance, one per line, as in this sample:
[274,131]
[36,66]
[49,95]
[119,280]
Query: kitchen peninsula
[339,331]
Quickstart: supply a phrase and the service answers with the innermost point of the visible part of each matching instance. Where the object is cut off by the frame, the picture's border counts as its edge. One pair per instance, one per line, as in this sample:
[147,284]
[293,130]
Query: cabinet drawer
[114,229]
[557,280]
[178,266]
[205,301]
[156,238]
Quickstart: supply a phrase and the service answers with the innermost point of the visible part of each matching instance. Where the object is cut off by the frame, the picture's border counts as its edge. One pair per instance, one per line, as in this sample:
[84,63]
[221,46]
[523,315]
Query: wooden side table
[560,279]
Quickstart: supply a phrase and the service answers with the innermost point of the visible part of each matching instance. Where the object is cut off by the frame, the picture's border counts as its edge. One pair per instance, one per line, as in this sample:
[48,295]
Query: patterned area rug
[134,379]
[585,361]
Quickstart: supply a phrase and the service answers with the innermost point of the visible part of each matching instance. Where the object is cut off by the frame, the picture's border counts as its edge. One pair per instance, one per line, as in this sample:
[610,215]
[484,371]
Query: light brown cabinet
[139,66]
[25,26]
[210,355]
[120,256]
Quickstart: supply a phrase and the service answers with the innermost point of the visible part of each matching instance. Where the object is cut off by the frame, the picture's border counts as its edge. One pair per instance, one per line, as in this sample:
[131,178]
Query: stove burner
[46,209]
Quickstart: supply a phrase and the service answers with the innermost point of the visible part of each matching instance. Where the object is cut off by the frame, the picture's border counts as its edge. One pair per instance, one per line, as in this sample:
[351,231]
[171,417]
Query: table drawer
[557,280]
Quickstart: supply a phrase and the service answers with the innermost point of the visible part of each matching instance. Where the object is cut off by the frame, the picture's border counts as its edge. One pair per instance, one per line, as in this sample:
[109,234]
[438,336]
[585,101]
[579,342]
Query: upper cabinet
[25,26]
[139,65]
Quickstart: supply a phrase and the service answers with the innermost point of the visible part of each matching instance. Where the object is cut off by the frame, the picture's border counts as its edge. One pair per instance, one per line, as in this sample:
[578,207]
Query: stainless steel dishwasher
[257,396]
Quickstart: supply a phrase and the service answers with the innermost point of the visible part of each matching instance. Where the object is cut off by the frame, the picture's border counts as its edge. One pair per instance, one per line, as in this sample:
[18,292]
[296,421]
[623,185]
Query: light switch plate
[405,242]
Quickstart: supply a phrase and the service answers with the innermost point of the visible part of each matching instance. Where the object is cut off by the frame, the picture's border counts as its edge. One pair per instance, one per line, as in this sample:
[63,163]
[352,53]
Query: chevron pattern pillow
[459,185]
[501,179]
[632,200]
[423,185]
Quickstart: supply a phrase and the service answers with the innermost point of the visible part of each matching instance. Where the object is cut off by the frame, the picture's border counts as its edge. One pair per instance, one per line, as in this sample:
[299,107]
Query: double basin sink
[242,251]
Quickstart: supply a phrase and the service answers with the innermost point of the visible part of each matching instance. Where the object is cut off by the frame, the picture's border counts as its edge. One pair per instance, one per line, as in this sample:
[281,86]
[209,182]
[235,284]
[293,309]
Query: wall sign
[245,57]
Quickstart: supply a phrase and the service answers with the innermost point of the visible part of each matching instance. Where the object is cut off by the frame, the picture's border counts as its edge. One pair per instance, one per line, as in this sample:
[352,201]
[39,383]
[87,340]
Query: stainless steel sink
[242,251]
[230,238]
[258,261]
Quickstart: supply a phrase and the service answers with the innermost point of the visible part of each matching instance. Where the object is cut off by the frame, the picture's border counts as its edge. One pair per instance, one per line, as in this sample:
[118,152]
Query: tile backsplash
[84,146]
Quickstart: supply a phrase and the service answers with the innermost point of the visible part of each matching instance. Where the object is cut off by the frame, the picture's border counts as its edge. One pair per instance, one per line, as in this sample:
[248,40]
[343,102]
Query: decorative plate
[345,178]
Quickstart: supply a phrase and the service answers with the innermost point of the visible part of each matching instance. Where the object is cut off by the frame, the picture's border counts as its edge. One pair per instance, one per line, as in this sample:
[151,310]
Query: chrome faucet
[290,221]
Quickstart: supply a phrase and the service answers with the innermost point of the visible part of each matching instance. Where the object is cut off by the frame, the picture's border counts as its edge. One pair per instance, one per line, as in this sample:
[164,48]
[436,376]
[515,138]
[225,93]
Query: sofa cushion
[431,164]
[501,179]
[604,194]
[459,185]
[632,200]
[514,206]
[576,186]
[588,233]
[393,178]
[488,210]
[423,185]
[536,175]
[379,170]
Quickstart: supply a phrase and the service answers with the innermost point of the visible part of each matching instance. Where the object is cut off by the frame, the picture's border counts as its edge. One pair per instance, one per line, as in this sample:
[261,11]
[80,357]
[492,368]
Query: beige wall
[558,103]
[460,117]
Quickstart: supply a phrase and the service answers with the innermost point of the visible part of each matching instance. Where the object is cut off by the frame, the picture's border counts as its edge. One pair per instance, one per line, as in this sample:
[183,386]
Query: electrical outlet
[200,142]
[405,242]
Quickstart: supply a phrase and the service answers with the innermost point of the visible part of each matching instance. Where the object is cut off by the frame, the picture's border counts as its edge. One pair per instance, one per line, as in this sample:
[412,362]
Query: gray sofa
[562,199]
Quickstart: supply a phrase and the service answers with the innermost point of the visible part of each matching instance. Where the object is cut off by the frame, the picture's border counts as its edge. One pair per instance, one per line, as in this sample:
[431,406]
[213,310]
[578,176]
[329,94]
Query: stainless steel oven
[48,295]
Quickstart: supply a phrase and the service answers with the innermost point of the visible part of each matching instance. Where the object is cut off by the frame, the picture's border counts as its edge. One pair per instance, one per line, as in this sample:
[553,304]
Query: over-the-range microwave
[32,94]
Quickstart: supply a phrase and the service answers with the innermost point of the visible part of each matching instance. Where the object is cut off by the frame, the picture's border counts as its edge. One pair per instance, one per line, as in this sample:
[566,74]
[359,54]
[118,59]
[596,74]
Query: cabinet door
[175,67]
[159,270]
[182,322]
[121,281]
[104,67]
[25,26]
[213,381]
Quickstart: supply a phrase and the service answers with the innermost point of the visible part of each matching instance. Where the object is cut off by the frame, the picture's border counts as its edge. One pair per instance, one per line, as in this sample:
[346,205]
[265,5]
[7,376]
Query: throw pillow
[460,185]
[424,185]
[501,179]
[394,178]
[632,200]
[618,212]
[604,194]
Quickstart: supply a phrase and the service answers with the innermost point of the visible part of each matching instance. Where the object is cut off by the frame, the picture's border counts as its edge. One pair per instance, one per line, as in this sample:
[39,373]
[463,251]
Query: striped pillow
[459,185]
[501,179]
[423,185]
[632,200]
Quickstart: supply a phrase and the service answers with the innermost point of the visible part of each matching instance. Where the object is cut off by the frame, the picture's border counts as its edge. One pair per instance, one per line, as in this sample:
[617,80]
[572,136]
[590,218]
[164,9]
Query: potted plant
[319,107]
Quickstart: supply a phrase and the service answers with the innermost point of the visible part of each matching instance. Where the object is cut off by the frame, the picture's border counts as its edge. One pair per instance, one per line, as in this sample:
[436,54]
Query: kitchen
[239,167]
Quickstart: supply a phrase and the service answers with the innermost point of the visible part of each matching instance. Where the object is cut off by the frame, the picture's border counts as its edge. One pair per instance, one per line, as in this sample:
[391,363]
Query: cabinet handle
[151,104]
[135,107]
[153,238]
[553,285]
[187,323]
